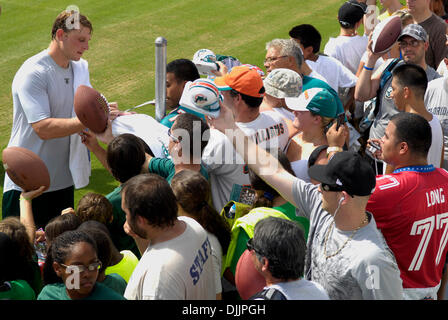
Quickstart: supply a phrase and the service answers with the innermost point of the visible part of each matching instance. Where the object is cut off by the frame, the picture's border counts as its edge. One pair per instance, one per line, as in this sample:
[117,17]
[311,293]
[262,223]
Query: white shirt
[435,151]
[176,269]
[336,74]
[347,50]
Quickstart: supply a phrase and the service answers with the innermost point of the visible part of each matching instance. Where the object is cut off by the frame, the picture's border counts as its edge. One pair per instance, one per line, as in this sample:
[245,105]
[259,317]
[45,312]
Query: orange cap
[242,79]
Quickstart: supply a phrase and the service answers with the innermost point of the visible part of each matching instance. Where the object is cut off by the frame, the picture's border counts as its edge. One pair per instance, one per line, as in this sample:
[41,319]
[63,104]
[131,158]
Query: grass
[121,54]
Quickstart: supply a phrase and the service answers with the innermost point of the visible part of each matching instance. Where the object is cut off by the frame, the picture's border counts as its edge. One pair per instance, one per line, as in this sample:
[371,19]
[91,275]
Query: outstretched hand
[30,195]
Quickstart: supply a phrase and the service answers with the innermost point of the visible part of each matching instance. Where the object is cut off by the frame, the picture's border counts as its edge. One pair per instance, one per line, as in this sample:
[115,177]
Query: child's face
[79,282]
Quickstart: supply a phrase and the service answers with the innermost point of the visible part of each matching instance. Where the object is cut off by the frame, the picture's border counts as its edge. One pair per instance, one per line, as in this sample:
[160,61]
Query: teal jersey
[165,168]
[169,119]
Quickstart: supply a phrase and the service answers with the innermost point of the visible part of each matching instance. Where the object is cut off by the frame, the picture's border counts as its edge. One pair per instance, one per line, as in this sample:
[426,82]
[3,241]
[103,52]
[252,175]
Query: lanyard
[427,168]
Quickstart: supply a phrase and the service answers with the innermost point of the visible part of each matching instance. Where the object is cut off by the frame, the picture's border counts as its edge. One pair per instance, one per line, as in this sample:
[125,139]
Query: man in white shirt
[348,47]
[286,53]
[176,262]
[43,118]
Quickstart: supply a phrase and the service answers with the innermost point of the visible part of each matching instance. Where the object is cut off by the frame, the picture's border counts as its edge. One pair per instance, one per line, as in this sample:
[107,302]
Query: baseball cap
[201,96]
[204,55]
[351,12]
[245,80]
[415,31]
[283,83]
[318,100]
[347,171]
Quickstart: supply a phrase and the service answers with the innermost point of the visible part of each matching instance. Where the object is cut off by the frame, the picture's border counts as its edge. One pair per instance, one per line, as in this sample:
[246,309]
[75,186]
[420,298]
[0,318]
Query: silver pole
[160,77]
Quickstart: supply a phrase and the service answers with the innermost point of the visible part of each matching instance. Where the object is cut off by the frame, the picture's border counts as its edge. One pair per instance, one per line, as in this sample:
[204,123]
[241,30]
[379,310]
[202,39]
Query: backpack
[268,294]
[373,106]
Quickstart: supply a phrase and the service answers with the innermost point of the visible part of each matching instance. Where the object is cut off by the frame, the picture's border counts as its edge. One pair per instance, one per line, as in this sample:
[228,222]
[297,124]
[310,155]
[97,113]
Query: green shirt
[165,168]
[126,266]
[120,239]
[57,291]
[115,282]
[18,290]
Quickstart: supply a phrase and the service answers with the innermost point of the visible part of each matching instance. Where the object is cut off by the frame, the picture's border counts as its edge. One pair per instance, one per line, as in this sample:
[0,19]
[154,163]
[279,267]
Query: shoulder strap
[269,294]
[385,76]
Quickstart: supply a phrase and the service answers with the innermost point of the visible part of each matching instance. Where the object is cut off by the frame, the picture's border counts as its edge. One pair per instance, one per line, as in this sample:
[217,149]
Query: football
[248,280]
[91,108]
[25,168]
[386,34]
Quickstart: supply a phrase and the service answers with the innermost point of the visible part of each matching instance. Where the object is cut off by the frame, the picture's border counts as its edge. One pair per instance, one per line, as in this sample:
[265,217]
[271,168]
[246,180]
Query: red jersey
[410,208]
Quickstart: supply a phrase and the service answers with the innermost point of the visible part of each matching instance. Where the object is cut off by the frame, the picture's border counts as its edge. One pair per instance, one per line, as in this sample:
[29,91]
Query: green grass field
[121,54]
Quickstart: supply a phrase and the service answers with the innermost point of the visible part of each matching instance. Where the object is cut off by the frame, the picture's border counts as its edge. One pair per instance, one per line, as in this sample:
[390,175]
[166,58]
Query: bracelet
[333,149]
[367,68]
[23,198]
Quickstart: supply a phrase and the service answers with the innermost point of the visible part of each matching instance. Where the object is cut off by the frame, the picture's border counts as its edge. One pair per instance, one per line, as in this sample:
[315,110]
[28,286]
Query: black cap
[346,171]
[351,12]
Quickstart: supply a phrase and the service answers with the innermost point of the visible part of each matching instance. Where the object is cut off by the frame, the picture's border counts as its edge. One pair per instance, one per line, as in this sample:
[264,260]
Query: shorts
[45,207]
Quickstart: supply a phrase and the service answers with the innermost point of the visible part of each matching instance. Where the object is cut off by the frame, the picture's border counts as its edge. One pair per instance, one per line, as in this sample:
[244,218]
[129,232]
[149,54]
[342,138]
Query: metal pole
[160,77]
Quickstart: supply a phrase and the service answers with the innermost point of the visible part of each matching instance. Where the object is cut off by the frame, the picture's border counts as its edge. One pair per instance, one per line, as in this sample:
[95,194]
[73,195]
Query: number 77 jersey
[410,207]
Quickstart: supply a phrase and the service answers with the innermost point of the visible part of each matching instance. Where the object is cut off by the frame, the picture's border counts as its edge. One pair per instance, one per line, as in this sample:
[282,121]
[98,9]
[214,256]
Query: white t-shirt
[347,50]
[217,260]
[176,269]
[336,74]
[225,167]
[435,151]
[147,128]
[436,101]
[301,290]
[268,130]
[284,113]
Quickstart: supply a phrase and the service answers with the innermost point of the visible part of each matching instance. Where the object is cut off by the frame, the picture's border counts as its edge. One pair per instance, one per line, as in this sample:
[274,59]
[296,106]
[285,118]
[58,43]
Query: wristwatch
[333,149]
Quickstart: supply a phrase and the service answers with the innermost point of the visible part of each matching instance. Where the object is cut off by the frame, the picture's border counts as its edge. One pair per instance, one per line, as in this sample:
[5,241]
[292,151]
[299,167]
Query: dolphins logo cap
[346,171]
[202,96]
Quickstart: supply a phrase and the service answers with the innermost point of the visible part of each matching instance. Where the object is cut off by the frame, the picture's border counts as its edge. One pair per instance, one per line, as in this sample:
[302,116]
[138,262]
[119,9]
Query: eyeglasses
[81,268]
[175,139]
[270,60]
[412,43]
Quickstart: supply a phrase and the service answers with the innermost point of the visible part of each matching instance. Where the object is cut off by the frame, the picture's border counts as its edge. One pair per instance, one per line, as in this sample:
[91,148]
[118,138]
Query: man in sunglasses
[346,253]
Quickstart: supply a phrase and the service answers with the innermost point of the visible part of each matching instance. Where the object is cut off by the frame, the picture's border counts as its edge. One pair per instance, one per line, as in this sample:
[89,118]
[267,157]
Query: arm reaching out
[261,162]
[26,211]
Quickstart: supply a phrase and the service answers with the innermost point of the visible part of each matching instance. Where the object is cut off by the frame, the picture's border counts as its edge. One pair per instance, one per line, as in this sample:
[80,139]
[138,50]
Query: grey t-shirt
[42,89]
[387,107]
[364,269]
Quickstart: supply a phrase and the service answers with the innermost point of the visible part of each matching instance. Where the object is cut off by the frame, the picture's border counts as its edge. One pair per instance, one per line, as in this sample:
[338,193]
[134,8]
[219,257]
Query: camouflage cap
[283,83]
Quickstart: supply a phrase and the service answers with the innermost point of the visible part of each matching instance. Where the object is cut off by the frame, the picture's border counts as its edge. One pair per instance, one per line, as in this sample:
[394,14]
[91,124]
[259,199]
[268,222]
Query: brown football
[386,34]
[25,168]
[91,108]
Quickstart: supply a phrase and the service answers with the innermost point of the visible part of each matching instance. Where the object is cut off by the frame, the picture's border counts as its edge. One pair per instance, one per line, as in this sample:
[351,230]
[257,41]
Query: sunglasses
[175,139]
[330,188]
[250,246]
